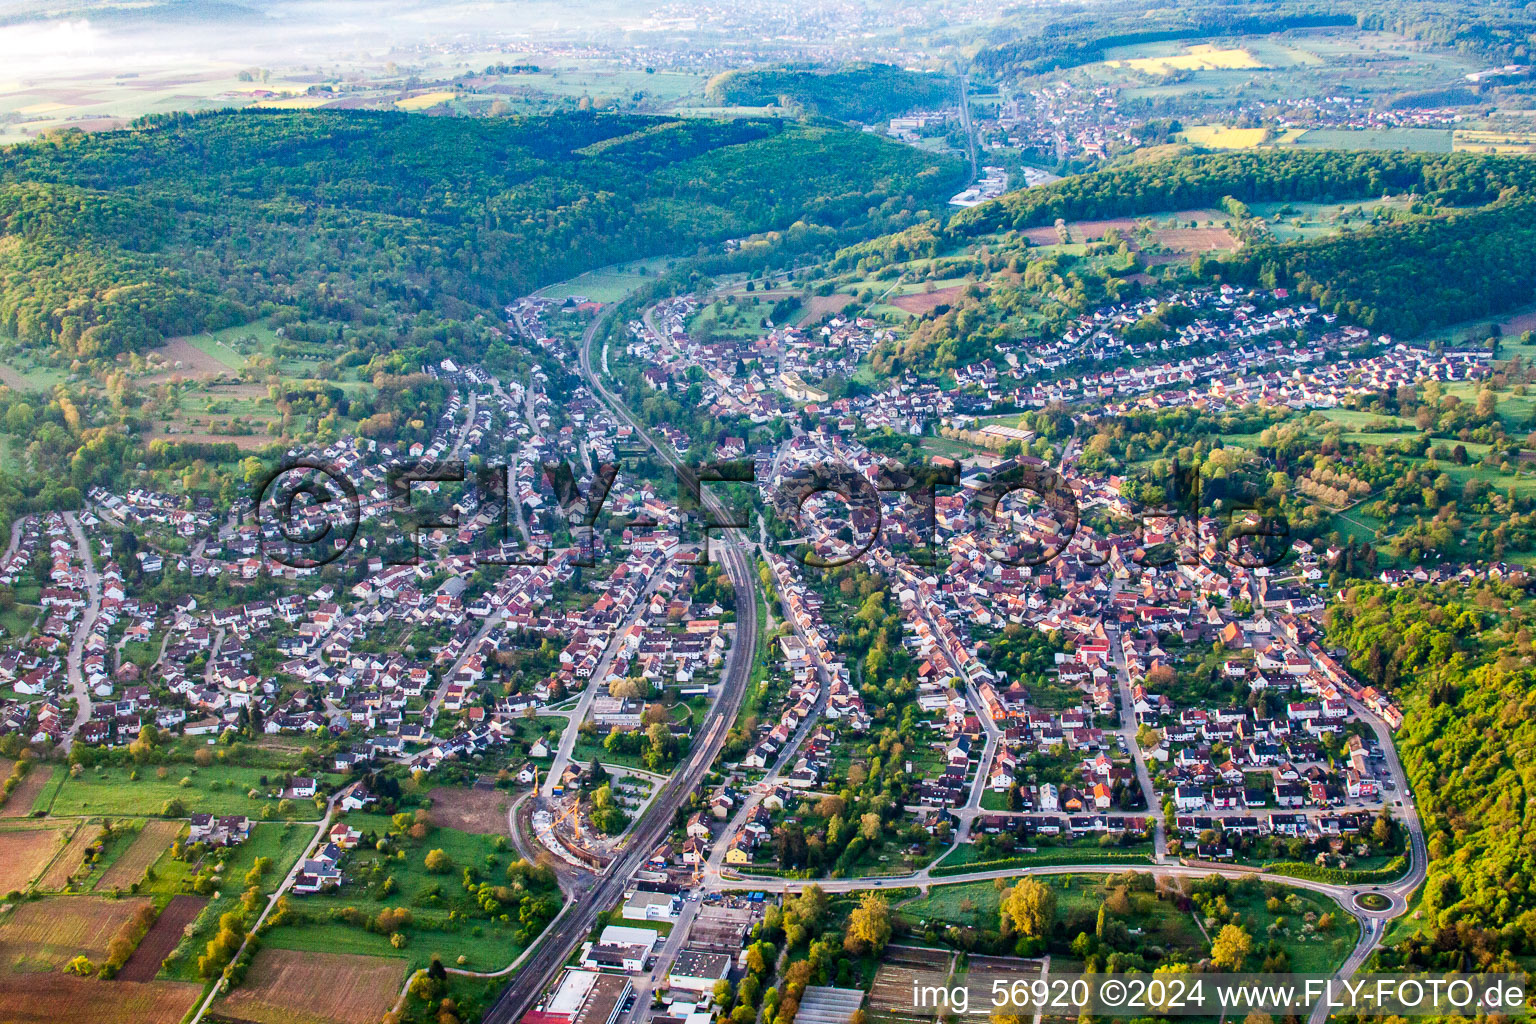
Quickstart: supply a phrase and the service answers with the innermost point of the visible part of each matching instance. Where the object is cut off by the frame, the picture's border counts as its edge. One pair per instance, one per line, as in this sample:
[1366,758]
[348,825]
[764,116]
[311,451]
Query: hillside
[1447,249]
[856,92]
[1463,661]
[387,224]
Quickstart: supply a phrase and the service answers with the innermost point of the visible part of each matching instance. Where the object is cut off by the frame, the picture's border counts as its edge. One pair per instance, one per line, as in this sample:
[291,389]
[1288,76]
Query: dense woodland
[1074,41]
[1498,32]
[1461,660]
[854,92]
[382,226]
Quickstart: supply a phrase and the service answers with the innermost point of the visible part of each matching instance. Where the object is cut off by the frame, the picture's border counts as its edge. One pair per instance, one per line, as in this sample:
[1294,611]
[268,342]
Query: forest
[1460,659]
[377,224]
[1498,32]
[1071,43]
[851,92]
[1251,176]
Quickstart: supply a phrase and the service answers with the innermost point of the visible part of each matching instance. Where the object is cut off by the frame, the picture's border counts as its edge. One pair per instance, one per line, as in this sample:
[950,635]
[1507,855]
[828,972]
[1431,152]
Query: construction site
[562,824]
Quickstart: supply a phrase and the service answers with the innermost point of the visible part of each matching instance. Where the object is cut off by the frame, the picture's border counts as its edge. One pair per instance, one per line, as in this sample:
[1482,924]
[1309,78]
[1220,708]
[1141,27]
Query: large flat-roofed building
[583,997]
[615,958]
[571,992]
[604,1001]
[643,905]
[720,929]
[698,971]
[619,935]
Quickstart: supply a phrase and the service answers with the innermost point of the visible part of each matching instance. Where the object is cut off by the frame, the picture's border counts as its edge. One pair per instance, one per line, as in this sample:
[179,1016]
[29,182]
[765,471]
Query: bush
[1390,872]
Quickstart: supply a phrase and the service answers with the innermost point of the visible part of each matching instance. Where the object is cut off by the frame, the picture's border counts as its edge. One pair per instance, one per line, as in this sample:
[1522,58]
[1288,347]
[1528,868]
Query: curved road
[579,916]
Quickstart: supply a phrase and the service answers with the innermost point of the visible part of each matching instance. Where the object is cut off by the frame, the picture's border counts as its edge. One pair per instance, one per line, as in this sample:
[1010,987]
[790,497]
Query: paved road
[321,828]
[77,684]
[567,931]
[1127,731]
[647,984]
[16,527]
[595,684]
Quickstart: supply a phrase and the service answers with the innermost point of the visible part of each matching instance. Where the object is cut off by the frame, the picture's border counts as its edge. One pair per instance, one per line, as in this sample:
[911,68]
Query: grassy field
[1217,136]
[17,620]
[609,284]
[1200,57]
[1163,924]
[1419,140]
[1086,852]
[486,944]
[218,789]
[281,844]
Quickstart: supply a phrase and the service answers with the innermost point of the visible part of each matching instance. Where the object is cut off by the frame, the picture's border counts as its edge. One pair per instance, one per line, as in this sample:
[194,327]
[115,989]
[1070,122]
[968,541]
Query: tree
[869,926]
[1029,909]
[1231,947]
[438,863]
[869,826]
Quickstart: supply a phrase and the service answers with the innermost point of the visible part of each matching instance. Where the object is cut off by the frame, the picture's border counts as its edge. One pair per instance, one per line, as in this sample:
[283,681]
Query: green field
[218,789]
[447,922]
[1420,140]
[609,284]
[1163,926]
[1084,852]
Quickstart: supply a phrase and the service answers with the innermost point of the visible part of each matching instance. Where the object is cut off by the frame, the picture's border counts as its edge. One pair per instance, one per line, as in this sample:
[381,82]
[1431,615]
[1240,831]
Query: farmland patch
[288,987]
[480,811]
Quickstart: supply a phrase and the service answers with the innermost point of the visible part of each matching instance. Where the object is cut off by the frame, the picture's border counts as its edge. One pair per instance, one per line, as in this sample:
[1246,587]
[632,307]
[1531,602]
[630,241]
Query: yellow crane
[572,812]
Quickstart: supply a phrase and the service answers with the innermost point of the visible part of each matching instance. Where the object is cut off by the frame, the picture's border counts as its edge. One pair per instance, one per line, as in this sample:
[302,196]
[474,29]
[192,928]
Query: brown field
[917,956]
[902,967]
[50,998]
[920,303]
[1042,236]
[245,442]
[23,853]
[1187,240]
[818,306]
[151,842]
[1518,325]
[19,803]
[481,811]
[69,861]
[985,971]
[195,363]
[1092,230]
[162,938]
[46,934]
[290,987]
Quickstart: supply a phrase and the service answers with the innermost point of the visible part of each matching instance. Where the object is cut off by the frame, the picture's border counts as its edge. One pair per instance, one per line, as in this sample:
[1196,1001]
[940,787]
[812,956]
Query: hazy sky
[69,40]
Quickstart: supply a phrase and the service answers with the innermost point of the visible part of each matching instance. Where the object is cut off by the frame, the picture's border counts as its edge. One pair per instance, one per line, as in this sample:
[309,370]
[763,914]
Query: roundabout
[1373,902]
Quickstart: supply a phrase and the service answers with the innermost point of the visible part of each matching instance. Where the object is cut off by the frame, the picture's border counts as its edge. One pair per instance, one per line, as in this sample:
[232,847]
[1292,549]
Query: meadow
[446,922]
[1164,920]
[217,789]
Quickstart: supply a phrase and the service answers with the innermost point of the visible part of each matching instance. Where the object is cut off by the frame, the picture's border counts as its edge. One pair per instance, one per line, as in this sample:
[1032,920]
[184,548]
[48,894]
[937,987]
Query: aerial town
[805,513]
